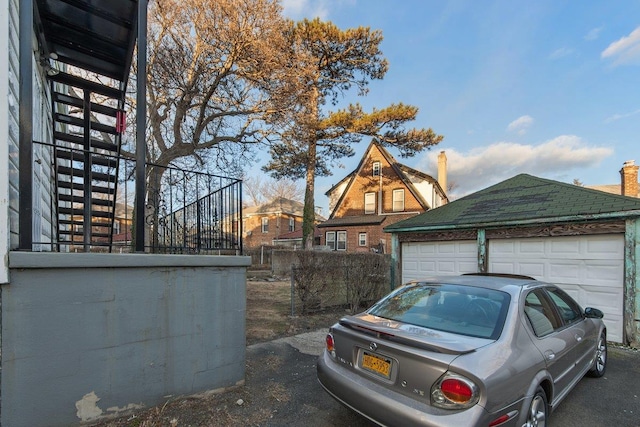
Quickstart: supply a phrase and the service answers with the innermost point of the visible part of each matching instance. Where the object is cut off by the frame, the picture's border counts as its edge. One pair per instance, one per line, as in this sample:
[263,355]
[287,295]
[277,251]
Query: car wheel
[600,362]
[538,411]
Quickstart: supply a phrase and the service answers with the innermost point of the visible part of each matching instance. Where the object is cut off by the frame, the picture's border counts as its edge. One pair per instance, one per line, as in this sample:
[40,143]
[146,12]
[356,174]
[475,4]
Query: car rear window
[464,310]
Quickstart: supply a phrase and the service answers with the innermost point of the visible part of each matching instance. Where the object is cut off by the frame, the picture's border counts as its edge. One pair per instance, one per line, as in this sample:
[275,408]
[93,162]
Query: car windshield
[464,310]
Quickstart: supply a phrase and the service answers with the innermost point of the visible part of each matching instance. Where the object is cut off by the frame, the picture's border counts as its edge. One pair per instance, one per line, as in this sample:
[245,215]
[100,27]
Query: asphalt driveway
[613,400]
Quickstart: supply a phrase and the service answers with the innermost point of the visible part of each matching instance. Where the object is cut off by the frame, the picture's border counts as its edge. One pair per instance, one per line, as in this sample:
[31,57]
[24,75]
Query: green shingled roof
[522,199]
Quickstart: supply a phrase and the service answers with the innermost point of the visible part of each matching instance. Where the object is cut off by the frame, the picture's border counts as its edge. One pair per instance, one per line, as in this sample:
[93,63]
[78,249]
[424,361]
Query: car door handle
[549,355]
[578,338]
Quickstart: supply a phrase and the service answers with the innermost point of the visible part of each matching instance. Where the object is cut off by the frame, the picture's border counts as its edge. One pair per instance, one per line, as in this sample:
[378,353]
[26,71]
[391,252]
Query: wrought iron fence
[191,212]
[186,212]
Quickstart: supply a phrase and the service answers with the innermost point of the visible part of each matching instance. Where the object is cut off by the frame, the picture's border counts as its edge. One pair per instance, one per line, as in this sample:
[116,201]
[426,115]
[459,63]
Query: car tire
[538,410]
[600,362]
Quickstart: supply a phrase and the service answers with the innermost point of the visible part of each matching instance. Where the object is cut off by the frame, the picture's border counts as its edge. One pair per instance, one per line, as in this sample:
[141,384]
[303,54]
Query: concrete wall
[89,336]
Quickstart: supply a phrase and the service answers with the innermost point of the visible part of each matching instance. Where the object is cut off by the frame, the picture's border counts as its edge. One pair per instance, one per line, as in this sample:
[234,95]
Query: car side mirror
[593,313]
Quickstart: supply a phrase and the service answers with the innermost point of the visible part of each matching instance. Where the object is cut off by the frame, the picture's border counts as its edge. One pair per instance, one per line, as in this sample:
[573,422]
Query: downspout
[25,127]
[380,191]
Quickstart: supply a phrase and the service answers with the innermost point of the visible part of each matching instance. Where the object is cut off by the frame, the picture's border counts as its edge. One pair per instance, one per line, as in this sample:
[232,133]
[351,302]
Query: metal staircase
[88,121]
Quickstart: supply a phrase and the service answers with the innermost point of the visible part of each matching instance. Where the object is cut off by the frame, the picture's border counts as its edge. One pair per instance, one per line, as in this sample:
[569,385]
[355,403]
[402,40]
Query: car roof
[510,283]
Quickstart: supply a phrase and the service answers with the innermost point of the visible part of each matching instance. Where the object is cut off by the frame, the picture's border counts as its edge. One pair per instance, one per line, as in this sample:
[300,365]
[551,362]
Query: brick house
[628,182]
[268,224]
[378,193]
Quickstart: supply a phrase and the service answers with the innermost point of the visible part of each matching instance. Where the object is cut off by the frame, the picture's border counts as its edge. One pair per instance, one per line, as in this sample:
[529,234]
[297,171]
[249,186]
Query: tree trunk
[309,213]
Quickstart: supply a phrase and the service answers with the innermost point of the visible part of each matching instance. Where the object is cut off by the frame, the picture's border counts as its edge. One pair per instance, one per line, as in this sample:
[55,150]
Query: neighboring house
[584,240]
[628,182]
[377,194]
[294,239]
[267,224]
[94,335]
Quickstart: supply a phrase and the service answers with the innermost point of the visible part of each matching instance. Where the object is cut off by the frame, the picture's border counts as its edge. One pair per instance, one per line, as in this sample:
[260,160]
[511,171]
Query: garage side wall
[90,336]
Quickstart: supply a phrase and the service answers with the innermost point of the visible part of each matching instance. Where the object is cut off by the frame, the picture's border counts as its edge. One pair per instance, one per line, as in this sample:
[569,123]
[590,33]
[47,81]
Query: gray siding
[12,134]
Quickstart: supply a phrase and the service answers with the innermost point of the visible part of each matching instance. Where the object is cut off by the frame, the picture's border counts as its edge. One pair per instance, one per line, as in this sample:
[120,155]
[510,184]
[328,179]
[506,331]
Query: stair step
[98,176]
[78,156]
[95,87]
[75,233]
[80,199]
[80,187]
[95,143]
[80,222]
[77,212]
[79,103]
[77,121]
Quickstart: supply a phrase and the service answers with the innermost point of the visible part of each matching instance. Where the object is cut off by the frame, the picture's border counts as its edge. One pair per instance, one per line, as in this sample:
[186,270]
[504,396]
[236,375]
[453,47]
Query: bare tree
[218,75]
[262,191]
[218,72]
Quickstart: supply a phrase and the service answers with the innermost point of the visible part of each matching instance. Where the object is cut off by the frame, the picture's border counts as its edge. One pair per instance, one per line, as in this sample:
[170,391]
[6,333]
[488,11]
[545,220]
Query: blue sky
[546,87]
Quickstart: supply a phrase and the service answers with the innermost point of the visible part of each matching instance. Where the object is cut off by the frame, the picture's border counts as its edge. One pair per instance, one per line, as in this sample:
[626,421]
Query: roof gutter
[533,221]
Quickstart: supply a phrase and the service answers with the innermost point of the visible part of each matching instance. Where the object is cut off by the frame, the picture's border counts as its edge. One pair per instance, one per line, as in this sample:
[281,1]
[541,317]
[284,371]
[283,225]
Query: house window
[398,200]
[342,241]
[265,225]
[362,239]
[116,227]
[376,168]
[330,238]
[369,203]
[292,224]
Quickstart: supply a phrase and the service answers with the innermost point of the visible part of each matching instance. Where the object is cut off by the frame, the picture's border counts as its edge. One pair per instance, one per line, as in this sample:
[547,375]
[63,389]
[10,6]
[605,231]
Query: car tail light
[503,419]
[454,391]
[330,344]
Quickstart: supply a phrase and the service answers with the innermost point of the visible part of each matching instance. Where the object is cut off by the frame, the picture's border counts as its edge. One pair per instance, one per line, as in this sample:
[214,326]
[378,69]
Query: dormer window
[376,168]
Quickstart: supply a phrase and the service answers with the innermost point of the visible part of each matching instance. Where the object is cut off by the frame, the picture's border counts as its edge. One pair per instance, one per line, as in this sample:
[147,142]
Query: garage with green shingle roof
[584,240]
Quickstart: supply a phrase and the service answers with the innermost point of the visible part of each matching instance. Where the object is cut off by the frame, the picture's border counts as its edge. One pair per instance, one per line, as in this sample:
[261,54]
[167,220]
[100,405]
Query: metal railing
[186,212]
[191,212]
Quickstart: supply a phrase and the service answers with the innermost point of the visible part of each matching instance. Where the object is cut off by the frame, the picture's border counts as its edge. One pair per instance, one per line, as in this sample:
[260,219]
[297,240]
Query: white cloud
[484,166]
[624,51]
[299,9]
[593,34]
[621,116]
[560,53]
[521,124]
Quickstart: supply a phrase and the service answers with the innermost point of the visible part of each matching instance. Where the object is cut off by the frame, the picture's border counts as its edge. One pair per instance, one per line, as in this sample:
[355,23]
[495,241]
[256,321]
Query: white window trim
[398,197]
[264,225]
[292,224]
[340,234]
[376,167]
[371,204]
[362,239]
[332,246]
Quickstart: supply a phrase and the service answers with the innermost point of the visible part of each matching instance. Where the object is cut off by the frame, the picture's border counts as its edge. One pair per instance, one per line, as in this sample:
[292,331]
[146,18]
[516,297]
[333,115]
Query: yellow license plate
[376,364]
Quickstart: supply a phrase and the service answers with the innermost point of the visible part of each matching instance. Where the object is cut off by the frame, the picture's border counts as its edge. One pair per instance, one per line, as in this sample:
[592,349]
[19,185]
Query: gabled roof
[354,220]
[278,206]
[523,199]
[297,235]
[401,170]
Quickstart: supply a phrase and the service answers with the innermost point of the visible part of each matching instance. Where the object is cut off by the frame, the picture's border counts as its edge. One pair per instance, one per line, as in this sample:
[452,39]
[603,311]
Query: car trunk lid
[405,358]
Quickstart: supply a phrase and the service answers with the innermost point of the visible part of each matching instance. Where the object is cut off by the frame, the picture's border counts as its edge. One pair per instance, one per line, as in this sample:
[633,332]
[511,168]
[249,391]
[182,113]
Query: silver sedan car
[470,350]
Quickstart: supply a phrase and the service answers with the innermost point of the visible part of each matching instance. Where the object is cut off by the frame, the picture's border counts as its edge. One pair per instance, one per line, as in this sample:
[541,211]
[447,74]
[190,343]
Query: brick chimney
[629,179]
[442,171]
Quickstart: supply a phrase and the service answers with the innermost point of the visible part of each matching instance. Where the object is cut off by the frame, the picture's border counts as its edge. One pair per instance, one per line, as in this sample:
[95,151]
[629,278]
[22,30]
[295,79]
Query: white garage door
[589,268]
[424,259]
